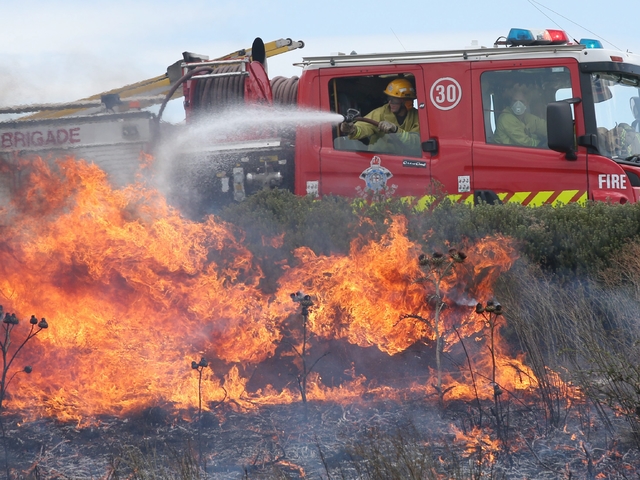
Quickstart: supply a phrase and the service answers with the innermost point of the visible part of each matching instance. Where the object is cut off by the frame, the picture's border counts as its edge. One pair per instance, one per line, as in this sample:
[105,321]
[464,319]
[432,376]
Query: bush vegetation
[566,241]
[571,300]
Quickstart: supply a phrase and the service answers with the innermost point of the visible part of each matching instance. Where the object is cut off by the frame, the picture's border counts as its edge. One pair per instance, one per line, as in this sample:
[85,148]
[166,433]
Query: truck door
[373,168]
[449,99]
[511,160]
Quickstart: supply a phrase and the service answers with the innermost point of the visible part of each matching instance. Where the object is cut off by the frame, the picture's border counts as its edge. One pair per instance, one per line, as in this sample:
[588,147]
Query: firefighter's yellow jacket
[531,131]
[405,141]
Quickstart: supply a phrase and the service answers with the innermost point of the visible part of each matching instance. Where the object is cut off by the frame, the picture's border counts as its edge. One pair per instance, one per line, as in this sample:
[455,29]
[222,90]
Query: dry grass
[135,464]
[586,329]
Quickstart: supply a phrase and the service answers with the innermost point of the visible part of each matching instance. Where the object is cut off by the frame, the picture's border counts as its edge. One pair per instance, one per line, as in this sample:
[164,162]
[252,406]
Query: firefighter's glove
[347,128]
[387,127]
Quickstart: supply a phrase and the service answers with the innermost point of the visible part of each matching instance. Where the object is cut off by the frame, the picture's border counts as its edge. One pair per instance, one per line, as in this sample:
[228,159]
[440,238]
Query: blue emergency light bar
[519,37]
[591,43]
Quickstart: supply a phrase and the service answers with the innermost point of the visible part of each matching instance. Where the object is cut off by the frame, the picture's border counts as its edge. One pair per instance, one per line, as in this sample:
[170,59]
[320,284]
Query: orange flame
[133,293]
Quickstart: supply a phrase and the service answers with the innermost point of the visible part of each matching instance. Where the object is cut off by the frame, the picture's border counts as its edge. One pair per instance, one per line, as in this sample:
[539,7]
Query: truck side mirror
[560,132]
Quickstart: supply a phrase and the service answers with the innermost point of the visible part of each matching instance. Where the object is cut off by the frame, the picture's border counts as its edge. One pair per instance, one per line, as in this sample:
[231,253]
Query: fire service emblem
[375,179]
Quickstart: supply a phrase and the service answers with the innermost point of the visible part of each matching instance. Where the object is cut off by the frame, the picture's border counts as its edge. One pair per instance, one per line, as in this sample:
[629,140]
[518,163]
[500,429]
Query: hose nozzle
[351,115]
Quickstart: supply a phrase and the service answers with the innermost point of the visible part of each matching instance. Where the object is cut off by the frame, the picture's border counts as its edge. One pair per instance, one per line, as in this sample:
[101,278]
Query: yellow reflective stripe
[519,197]
[424,202]
[540,198]
[564,197]
[467,198]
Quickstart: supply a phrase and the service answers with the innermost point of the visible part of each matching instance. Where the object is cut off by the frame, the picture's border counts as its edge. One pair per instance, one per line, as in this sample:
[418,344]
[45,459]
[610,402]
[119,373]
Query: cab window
[617,109]
[515,104]
[365,102]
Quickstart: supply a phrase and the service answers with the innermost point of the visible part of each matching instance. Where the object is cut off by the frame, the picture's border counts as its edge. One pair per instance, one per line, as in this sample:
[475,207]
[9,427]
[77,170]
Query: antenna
[398,40]
[535,3]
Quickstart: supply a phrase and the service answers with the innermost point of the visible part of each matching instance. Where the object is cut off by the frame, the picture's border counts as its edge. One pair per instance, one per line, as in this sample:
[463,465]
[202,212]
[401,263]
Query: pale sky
[65,50]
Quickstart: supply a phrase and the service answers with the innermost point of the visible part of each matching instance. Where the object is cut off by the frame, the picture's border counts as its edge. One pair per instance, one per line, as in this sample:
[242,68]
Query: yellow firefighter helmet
[400,88]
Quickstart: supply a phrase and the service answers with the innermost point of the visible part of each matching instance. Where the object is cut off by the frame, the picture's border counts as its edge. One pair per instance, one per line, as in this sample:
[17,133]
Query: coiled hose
[285,90]
[221,92]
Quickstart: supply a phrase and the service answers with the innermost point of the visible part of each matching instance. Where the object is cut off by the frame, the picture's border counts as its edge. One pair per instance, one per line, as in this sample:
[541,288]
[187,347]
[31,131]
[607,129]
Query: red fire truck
[111,129]
[588,96]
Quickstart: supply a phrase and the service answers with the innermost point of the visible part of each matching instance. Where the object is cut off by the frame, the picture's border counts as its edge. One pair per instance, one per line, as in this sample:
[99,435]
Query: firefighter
[621,141]
[517,126]
[397,129]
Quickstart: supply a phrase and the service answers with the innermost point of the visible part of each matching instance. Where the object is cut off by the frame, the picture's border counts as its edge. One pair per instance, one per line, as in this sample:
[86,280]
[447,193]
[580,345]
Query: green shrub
[567,240]
[324,226]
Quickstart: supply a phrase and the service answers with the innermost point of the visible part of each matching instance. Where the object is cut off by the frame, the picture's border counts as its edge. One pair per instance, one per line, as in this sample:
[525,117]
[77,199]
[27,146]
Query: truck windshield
[617,108]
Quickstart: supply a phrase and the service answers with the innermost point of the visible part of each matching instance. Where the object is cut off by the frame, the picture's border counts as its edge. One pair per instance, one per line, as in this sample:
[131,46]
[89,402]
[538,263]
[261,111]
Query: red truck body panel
[587,148]
[462,147]
[453,113]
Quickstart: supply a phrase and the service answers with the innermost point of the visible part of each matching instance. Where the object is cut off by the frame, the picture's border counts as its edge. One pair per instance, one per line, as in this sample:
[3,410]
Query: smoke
[64,76]
[215,141]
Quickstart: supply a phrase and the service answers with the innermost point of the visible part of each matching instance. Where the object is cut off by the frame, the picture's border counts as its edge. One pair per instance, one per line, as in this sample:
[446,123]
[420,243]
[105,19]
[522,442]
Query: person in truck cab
[621,141]
[397,129]
[516,125]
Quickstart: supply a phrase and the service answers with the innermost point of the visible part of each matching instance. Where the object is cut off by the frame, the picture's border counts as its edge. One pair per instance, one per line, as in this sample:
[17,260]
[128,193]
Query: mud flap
[486,196]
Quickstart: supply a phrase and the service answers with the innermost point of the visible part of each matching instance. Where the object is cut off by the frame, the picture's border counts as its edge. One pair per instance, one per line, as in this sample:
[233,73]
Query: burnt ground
[367,439]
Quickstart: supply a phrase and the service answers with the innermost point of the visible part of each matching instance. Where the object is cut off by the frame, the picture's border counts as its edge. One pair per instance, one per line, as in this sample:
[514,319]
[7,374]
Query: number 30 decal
[445,93]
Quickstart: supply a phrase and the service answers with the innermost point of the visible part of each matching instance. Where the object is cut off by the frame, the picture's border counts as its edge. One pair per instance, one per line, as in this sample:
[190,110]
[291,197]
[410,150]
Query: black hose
[156,133]
[175,86]
[214,91]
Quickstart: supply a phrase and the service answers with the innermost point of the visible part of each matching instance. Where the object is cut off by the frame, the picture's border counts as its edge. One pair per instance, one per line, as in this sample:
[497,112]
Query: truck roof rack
[400,57]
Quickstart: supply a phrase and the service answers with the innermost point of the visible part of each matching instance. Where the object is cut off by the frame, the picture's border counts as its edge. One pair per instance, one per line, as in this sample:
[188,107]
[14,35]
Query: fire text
[612,180]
